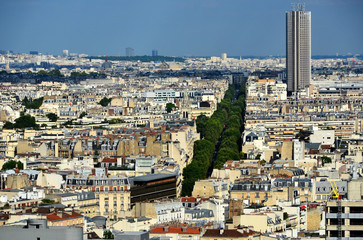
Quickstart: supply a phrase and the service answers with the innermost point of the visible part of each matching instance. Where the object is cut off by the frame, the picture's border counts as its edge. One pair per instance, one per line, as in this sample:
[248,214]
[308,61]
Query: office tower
[224,56]
[65,53]
[298,48]
[130,52]
[154,53]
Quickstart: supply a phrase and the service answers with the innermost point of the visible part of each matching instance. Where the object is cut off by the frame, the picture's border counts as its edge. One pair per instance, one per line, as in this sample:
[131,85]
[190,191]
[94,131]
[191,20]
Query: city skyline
[188,28]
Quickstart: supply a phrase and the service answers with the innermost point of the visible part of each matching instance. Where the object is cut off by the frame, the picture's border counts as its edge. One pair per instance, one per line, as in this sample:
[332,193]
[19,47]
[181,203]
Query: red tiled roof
[189,199]
[55,217]
[227,233]
[175,230]
[109,160]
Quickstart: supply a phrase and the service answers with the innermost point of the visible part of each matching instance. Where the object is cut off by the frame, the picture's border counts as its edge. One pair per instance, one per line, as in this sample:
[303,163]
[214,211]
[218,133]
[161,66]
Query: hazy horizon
[175,28]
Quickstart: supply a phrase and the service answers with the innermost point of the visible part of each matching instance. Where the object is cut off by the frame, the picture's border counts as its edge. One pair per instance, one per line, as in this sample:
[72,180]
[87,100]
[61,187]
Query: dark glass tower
[298,48]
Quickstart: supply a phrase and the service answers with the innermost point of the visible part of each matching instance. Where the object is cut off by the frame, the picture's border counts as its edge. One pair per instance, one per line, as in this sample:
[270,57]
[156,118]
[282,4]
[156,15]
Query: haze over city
[181,120]
[175,28]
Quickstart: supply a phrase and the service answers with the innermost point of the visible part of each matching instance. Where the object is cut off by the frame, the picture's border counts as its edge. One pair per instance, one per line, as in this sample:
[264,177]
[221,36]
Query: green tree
[8,125]
[105,101]
[201,122]
[52,117]
[12,164]
[32,104]
[25,121]
[108,235]
[48,201]
[325,159]
[286,215]
[169,107]
[82,114]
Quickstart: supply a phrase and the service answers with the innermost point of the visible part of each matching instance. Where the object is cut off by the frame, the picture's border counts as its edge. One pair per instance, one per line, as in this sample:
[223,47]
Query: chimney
[221,231]
[184,228]
[166,229]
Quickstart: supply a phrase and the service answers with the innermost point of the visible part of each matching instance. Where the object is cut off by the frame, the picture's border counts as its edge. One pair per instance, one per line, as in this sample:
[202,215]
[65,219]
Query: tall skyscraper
[154,53]
[298,47]
[65,53]
[130,52]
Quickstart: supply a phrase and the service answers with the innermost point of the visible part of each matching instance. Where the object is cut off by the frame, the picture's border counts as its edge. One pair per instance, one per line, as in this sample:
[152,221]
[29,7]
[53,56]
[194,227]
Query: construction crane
[335,191]
[336,196]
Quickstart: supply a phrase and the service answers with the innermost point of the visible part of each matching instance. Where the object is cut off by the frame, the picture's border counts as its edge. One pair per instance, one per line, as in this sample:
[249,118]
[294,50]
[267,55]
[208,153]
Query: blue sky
[174,27]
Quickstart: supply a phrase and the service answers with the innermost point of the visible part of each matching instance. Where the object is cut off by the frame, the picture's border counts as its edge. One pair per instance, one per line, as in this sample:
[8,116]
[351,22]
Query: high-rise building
[298,48]
[130,52]
[154,53]
[224,56]
[65,53]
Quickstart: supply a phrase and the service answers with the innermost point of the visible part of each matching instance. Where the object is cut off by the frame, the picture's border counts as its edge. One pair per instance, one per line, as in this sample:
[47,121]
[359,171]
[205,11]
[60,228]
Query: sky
[175,27]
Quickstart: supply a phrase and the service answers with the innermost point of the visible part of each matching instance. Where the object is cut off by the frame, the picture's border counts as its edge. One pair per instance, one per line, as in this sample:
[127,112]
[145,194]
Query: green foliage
[141,58]
[231,138]
[12,164]
[225,154]
[325,159]
[114,121]
[169,107]
[105,101]
[108,235]
[54,72]
[52,117]
[44,125]
[286,215]
[78,74]
[210,130]
[82,114]
[25,121]
[48,201]
[32,104]
[8,125]
[201,124]
[69,122]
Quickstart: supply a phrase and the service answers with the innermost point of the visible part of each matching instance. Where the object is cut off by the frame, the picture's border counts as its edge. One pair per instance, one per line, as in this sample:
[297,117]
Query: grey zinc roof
[152,177]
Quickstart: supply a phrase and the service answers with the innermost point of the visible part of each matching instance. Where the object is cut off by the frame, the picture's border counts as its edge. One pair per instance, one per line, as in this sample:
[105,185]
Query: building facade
[298,48]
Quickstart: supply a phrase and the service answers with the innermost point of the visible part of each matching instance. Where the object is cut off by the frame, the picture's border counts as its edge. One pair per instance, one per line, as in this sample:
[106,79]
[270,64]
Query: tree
[8,125]
[108,235]
[105,101]
[286,215]
[52,117]
[82,114]
[32,104]
[25,121]
[325,159]
[12,164]
[169,107]
[48,201]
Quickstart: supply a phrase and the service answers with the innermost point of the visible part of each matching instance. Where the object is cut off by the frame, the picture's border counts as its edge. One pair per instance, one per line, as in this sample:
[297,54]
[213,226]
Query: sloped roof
[64,216]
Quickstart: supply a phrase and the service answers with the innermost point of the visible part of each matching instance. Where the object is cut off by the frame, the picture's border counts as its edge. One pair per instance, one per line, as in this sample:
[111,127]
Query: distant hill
[140,58]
